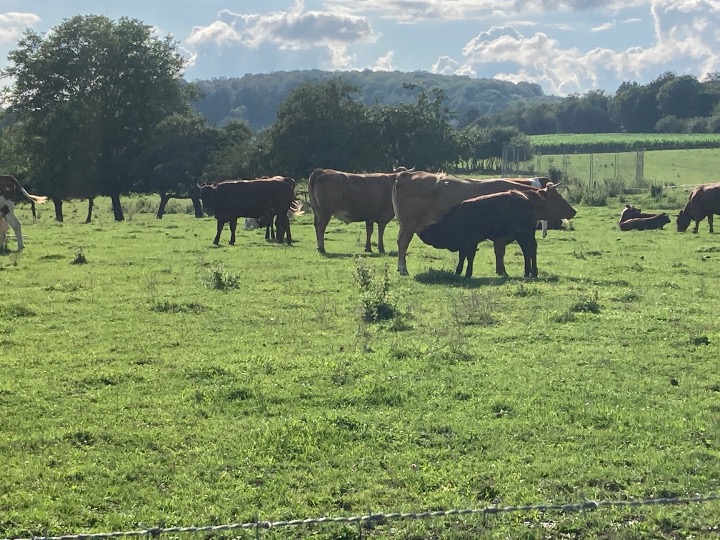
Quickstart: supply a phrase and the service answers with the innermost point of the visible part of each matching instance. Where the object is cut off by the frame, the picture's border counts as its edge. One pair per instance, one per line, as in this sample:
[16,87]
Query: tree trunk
[197,205]
[91,200]
[58,209]
[117,207]
[164,198]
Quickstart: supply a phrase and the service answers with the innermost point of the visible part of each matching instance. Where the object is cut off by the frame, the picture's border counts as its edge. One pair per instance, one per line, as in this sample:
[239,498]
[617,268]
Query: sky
[565,46]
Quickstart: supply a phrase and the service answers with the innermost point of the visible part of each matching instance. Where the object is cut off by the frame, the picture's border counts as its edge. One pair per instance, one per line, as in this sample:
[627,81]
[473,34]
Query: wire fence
[383,518]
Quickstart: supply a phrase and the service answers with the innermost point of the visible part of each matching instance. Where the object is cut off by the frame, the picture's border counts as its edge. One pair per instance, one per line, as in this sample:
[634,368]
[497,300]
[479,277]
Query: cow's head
[630,212]
[209,197]
[553,205]
[683,221]
[664,219]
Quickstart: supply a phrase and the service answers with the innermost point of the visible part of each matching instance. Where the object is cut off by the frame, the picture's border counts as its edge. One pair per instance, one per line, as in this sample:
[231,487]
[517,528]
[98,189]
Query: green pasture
[618,170]
[151,379]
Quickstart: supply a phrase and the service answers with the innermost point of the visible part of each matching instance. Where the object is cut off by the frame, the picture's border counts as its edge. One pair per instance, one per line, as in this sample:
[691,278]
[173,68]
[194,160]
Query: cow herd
[445,212]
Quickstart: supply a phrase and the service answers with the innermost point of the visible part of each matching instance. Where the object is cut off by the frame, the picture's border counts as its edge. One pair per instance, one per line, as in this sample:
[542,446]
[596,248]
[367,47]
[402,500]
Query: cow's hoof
[321,251]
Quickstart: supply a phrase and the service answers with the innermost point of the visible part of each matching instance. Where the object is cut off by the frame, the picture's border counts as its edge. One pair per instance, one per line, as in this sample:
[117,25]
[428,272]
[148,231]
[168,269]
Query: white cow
[11,192]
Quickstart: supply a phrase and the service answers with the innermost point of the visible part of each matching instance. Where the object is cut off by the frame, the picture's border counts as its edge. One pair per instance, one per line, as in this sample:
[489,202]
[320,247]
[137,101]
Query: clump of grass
[220,279]
[375,300]
[79,257]
[586,304]
[474,309]
[168,306]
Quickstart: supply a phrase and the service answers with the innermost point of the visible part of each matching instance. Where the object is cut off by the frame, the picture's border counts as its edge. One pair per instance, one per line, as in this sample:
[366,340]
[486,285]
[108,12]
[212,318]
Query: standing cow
[704,201]
[502,217]
[11,193]
[260,199]
[421,198]
[351,197]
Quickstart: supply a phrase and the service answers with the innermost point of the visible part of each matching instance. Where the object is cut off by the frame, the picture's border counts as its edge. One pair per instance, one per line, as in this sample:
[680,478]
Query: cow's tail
[32,198]
[296,208]
[312,184]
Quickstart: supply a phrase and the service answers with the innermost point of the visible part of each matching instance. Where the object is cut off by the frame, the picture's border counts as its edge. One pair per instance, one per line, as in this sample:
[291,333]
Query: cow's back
[706,199]
[421,199]
[352,197]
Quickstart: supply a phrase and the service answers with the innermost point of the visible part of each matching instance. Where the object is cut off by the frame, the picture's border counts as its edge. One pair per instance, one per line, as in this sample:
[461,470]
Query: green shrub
[374,294]
[220,279]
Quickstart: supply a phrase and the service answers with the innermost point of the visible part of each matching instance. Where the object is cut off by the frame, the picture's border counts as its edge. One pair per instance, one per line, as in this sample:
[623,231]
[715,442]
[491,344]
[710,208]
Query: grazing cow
[260,199]
[351,197]
[654,221]
[704,201]
[421,198]
[12,192]
[502,217]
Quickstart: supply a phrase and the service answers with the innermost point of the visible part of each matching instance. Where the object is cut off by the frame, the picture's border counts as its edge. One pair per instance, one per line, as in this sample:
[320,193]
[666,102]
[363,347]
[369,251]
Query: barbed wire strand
[384,517]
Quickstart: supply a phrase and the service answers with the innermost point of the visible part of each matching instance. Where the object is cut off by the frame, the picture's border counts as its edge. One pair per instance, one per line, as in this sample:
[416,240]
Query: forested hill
[255,98]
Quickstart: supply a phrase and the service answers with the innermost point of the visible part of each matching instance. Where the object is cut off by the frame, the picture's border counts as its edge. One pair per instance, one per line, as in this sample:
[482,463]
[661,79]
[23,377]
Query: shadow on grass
[373,255]
[443,277]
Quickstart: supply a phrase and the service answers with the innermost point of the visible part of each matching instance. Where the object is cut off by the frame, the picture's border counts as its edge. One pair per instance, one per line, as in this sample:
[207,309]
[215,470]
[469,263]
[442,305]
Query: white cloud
[385,63]
[293,29]
[13,24]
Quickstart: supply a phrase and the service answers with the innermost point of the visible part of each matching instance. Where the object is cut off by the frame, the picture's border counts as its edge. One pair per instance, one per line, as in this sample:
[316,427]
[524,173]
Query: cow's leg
[381,232]
[403,241]
[3,231]
[461,263]
[710,221]
[528,245]
[282,224]
[14,222]
[368,236]
[470,256]
[321,223]
[233,227]
[697,225]
[220,225]
[544,224]
[499,247]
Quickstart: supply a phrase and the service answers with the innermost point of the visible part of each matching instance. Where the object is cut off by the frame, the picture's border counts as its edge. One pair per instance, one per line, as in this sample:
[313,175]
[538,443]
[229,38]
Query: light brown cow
[12,192]
[351,197]
[421,198]
[704,201]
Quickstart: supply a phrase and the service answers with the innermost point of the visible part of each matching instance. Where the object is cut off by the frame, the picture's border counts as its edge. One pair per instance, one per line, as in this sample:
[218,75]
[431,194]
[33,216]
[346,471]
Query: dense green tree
[320,125]
[174,158]
[92,91]
[417,135]
[235,155]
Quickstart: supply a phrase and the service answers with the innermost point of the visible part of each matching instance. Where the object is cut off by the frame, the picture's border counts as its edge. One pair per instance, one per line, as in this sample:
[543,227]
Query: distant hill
[255,98]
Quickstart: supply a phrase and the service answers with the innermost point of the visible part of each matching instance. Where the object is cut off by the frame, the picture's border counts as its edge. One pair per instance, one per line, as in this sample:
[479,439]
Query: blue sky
[566,46]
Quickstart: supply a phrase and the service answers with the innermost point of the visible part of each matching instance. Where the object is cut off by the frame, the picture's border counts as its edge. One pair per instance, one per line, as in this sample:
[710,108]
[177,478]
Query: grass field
[149,378]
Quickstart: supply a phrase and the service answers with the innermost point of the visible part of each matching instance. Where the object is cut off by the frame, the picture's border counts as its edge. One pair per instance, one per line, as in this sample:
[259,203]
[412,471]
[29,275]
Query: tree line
[99,107]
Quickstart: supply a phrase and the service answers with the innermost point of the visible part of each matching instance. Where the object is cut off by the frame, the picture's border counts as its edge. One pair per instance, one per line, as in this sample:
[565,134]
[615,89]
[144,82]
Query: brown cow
[502,217]
[704,201]
[12,192]
[351,197]
[421,198]
[653,221]
[259,199]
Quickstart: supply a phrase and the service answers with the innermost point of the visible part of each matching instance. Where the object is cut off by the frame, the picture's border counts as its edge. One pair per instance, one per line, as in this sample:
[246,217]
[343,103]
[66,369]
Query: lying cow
[11,193]
[654,221]
[260,199]
[502,217]
[630,212]
[421,198]
[351,197]
[704,201]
